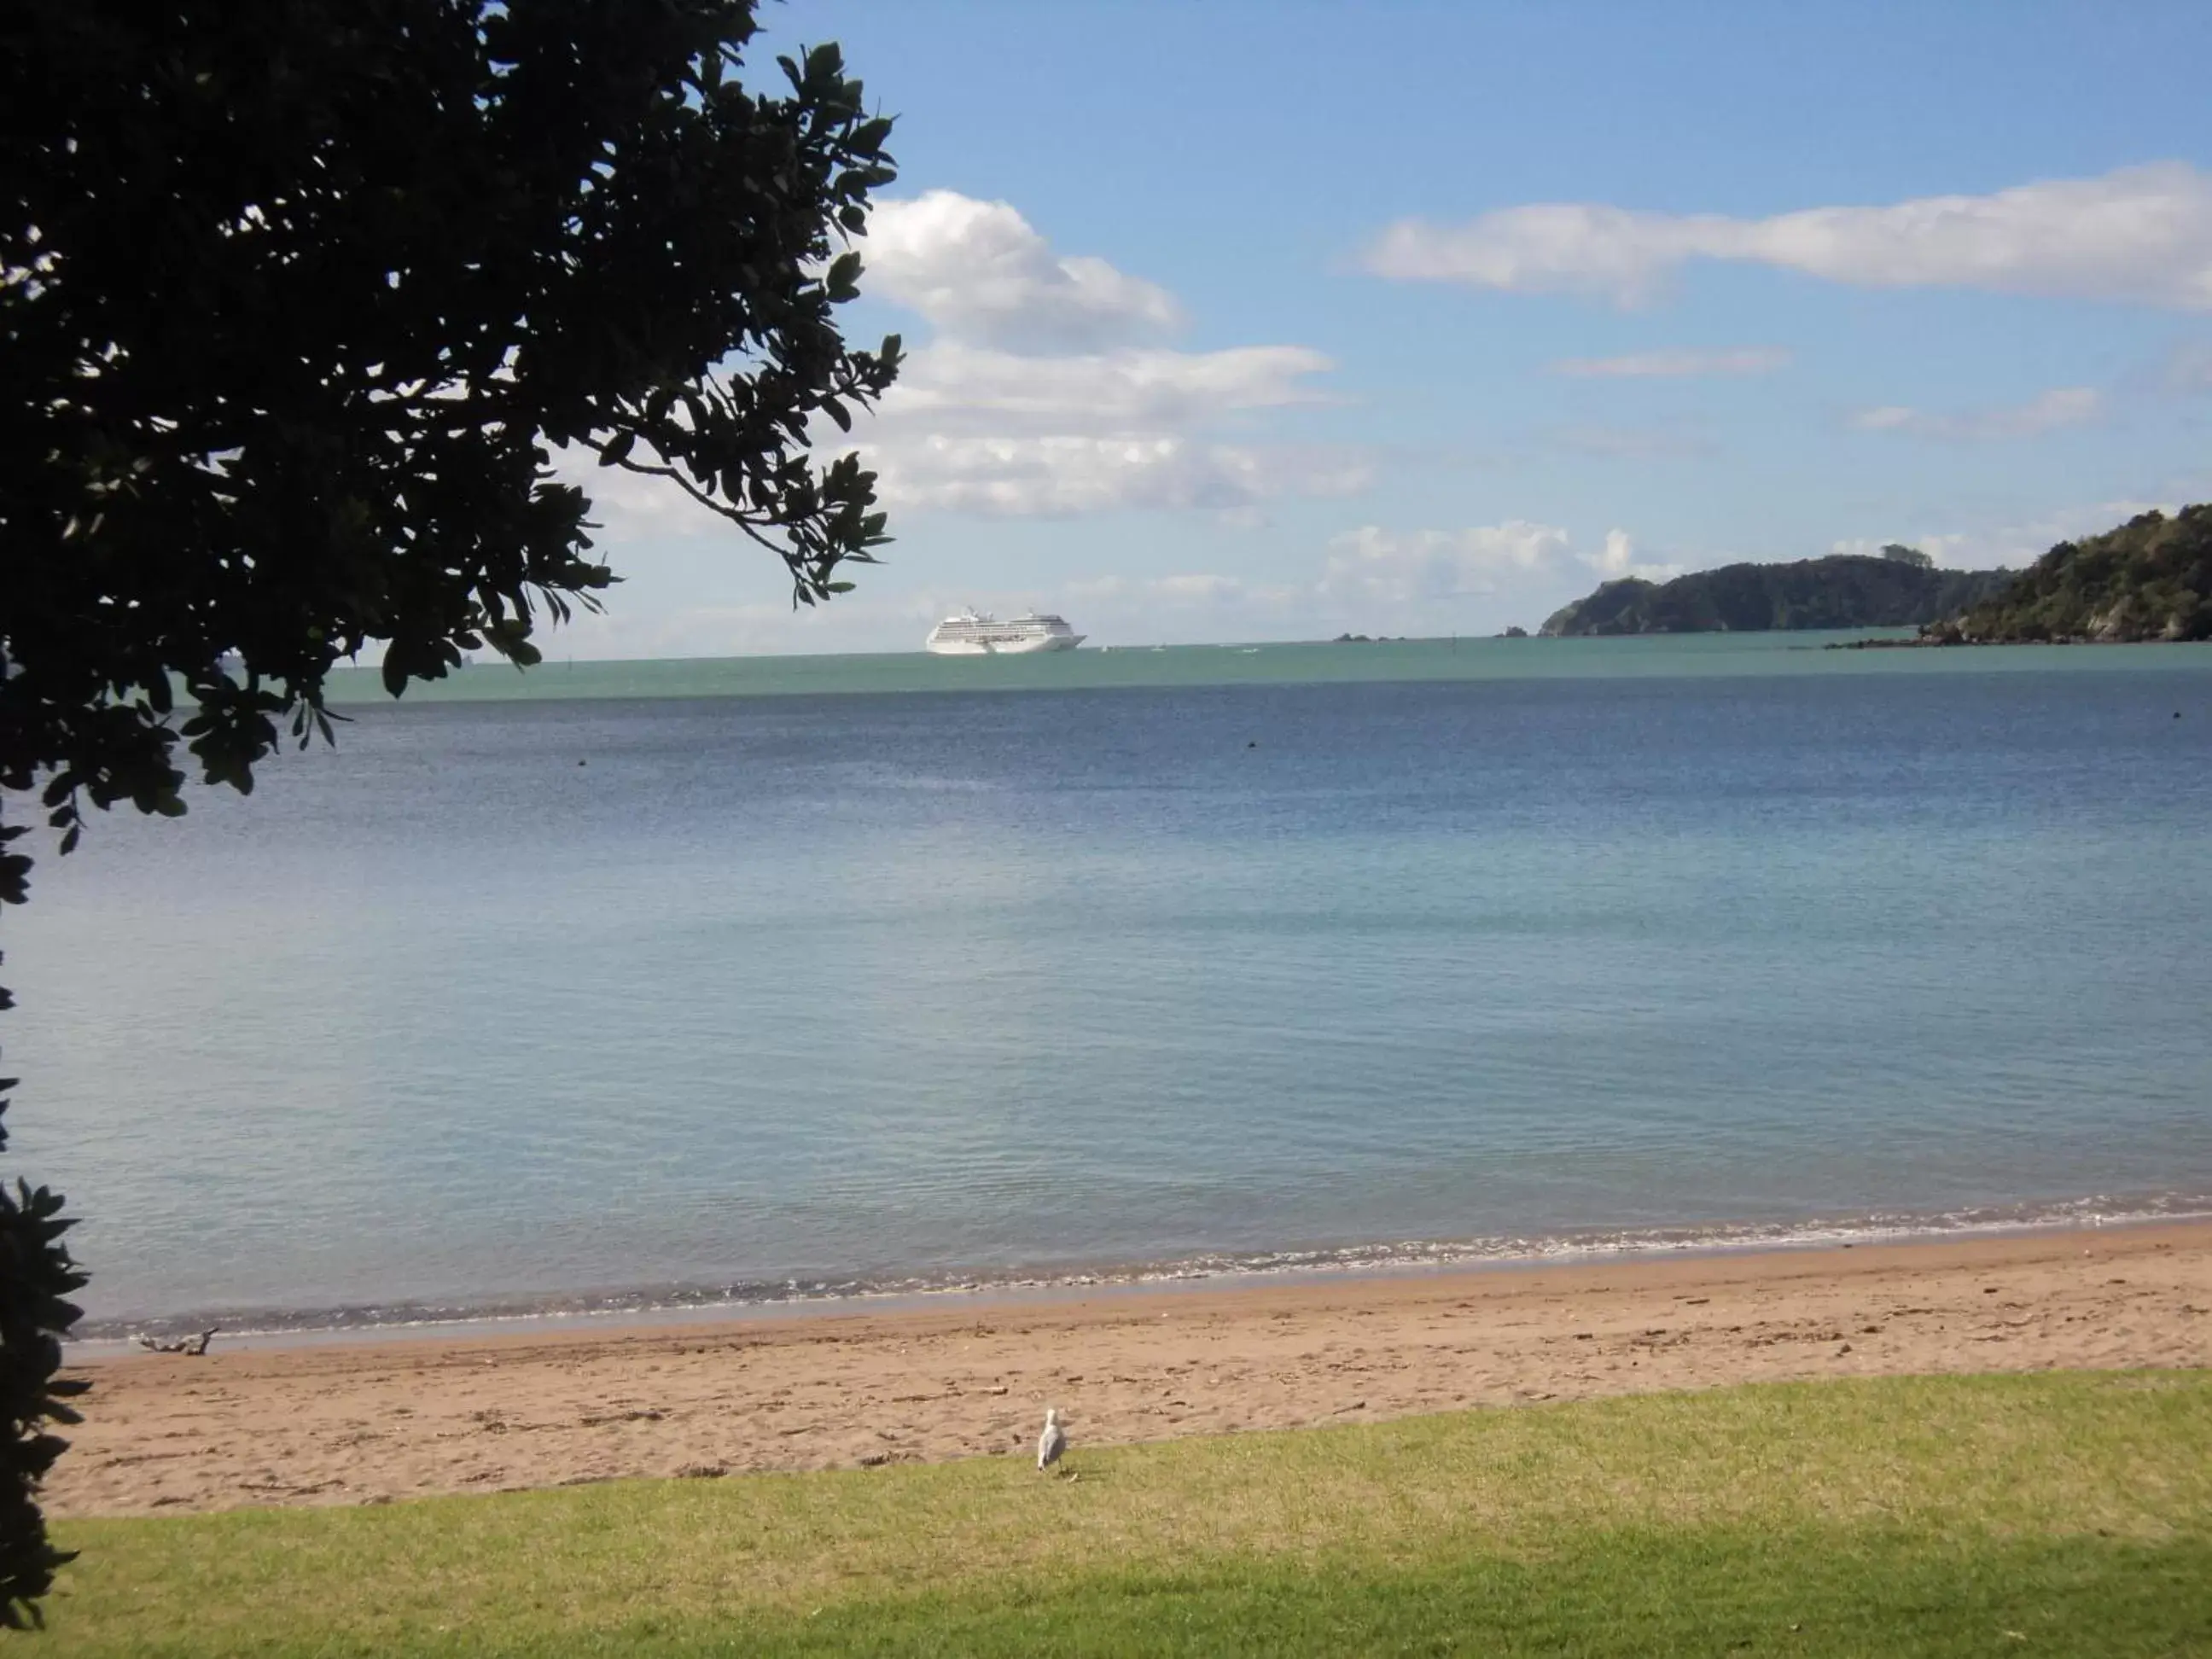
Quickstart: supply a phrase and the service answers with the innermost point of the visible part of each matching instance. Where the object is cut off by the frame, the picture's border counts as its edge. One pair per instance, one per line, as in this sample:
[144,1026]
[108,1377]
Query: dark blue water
[532,1003]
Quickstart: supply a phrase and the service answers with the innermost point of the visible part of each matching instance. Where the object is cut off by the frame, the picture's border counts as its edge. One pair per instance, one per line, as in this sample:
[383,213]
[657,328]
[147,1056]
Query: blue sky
[1245,321]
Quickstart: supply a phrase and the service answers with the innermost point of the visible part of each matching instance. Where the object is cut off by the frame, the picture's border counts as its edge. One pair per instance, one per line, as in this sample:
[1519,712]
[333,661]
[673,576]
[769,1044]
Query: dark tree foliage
[299,297]
[300,302]
[2151,579]
[1843,590]
[37,1277]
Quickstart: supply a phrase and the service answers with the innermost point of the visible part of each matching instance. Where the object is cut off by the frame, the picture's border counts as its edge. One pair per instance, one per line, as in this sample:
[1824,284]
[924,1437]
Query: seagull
[1051,1441]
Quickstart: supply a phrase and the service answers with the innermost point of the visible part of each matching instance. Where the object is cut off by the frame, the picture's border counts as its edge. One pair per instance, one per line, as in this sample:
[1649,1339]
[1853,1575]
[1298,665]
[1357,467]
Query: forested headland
[2151,579]
[1899,588]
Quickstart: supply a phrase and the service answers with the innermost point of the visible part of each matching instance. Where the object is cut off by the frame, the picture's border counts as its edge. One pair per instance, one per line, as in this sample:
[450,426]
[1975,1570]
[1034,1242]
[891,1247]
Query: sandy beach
[371,1422]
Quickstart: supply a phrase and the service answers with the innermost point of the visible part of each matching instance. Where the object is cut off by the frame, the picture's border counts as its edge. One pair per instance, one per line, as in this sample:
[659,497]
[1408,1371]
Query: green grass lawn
[2033,1515]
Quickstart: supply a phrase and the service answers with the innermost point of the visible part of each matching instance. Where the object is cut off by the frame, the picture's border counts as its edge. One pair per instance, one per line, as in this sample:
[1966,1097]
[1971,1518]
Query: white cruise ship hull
[979,634]
[1018,647]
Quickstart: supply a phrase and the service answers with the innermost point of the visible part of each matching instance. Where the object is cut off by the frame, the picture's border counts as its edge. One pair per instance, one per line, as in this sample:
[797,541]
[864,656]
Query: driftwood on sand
[191,1345]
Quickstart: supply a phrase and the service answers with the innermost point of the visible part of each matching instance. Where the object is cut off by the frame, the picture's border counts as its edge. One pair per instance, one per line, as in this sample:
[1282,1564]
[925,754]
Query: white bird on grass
[1051,1441]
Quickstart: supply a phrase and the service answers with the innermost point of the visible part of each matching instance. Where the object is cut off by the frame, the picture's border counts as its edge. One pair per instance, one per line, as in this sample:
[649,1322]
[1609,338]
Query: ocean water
[650,987]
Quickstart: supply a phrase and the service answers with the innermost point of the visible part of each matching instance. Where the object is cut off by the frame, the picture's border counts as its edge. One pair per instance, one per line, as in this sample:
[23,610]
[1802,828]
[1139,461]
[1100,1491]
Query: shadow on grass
[1629,1594]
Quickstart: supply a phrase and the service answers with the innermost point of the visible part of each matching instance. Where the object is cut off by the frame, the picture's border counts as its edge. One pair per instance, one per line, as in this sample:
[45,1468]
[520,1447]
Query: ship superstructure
[979,634]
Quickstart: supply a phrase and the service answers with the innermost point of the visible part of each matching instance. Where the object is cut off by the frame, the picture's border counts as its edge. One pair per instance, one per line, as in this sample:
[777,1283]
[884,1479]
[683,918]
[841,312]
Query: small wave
[1499,1250]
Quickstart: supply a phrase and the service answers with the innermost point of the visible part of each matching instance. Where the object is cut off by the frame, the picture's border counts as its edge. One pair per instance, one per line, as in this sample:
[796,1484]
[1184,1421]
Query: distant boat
[979,634]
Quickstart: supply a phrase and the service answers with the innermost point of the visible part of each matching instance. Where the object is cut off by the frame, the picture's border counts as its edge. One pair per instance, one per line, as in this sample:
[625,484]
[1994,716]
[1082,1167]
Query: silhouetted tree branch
[301,303]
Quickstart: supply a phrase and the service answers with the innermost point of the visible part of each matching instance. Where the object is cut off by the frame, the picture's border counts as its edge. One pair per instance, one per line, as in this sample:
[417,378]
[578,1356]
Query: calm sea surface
[650,986]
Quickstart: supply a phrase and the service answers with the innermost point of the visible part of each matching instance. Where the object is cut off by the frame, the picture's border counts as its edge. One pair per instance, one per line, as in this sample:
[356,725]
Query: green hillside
[1842,591]
[2149,580]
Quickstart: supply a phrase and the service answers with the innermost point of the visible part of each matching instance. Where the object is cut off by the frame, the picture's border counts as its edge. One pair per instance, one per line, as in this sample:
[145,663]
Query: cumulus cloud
[959,387]
[2141,234]
[1372,579]
[2048,411]
[1401,568]
[1045,390]
[1617,559]
[971,429]
[980,271]
[1674,365]
[633,505]
[1059,474]
[966,428]
[1396,567]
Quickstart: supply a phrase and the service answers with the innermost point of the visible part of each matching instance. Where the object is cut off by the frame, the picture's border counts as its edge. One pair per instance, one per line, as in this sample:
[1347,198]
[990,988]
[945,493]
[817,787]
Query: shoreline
[368,1422]
[690,1305]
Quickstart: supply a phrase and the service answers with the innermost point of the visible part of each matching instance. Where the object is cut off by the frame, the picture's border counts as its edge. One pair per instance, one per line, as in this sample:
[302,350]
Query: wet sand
[370,1422]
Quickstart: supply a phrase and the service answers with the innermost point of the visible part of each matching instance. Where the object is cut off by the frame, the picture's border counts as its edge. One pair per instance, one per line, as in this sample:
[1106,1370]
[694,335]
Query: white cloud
[2141,234]
[978,271]
[633,505]
[1370,579]
[2048,411]
[1648,365]
[974,431]
[953,386]
[1405,568]
[1617,558]
[1399,567]
[1045,392]
[969,429]
[1052,475]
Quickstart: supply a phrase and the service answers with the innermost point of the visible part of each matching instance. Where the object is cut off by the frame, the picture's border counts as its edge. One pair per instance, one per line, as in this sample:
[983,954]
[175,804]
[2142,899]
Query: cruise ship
[974,634]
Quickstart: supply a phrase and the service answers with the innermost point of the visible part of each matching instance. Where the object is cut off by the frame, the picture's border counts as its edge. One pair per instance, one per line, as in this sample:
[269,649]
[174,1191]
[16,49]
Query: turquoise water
[1294,664]
[632,992]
